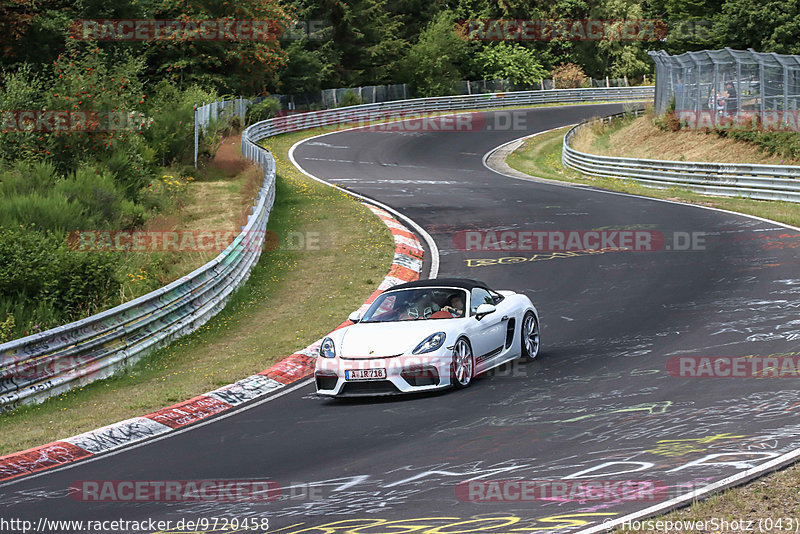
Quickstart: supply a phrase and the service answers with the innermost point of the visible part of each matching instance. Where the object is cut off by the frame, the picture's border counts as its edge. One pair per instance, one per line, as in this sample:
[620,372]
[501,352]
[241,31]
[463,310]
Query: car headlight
[431,343]
[327,349]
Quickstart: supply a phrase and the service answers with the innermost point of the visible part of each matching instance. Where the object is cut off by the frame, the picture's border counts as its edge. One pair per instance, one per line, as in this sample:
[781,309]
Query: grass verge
[295,295]
[541,156]
[641,138]
[773,496]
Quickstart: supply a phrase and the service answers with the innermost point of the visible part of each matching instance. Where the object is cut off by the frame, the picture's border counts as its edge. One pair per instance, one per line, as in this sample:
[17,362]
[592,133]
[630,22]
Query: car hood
[381,340]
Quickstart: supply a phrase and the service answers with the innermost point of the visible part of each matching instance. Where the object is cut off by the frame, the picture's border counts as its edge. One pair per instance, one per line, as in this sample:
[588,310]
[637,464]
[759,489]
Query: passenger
[421,307]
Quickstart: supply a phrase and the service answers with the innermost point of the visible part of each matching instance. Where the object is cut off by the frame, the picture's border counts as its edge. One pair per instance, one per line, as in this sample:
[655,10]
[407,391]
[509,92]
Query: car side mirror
[355,316]
[484,310]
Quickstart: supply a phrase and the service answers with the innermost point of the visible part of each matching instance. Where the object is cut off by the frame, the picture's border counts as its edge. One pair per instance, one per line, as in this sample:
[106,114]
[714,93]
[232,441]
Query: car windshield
[417,304]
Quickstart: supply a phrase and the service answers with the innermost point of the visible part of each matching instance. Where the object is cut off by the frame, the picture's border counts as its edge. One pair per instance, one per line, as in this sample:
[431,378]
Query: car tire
[529,331]
[462,368]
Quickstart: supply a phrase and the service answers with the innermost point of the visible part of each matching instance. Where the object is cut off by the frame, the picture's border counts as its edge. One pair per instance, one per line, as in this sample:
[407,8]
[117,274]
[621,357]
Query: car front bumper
[404,374]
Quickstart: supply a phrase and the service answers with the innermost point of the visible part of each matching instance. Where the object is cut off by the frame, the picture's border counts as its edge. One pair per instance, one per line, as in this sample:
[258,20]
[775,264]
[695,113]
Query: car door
[487,335]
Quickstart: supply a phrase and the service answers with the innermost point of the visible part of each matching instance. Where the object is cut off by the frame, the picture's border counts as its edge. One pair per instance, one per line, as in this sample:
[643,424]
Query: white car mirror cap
[484,310]
[355,316]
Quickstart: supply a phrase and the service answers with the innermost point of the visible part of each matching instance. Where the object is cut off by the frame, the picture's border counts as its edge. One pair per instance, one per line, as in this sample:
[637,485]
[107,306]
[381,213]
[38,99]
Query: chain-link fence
[711,88]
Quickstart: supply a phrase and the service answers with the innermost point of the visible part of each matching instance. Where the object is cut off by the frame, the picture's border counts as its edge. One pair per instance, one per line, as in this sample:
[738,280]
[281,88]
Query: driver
[455,305]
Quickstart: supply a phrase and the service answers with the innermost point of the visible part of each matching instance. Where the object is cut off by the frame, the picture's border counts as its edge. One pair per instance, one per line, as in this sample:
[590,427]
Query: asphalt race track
[598,404]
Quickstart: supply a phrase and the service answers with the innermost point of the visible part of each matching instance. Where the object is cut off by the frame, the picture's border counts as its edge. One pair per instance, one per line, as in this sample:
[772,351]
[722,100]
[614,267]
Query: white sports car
[426,335]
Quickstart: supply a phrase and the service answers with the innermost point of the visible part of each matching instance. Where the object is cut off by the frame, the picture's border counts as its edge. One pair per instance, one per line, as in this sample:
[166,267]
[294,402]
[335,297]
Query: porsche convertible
[427,335]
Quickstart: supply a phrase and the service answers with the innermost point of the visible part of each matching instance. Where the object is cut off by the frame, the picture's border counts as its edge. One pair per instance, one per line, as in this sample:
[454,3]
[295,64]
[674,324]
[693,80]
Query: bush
[261,111]
[7,328]
[35,195]
[669,121]
[569,76]
[43,283]
[511,62]
[170,132]
[349,99]
[776,143]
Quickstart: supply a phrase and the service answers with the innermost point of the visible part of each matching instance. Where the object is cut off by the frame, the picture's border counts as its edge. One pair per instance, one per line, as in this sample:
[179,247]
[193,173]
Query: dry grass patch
[641,139]
[541,156]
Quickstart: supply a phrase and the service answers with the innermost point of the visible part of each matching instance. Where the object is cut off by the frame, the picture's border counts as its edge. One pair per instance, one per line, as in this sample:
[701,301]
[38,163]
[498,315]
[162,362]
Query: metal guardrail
[760,182]
[401,108]
[51,362]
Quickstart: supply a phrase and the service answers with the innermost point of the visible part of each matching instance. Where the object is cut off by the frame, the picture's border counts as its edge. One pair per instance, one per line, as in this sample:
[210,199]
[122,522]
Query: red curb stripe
[291,369]
[409,251]
[404,233]
[39,459]
[403,273]
[188,412]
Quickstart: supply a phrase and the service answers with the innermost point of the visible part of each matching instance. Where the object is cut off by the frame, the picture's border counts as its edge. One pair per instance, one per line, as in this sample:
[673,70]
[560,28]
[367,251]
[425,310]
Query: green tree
[511,62]
[770,26]
[245,66]
[619,57]
[433,64]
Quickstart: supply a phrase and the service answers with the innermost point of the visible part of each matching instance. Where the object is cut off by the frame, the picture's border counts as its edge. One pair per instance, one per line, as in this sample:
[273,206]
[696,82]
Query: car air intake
[326,381]
[421,376]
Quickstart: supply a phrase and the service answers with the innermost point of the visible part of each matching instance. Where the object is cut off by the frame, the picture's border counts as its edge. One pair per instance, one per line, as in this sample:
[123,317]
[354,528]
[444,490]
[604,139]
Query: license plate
[365,374]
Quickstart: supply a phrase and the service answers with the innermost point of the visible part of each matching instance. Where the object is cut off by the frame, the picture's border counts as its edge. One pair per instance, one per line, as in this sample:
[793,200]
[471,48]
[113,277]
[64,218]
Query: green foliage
[266,109]
[39,272]
[433,64]
[244,66]
[7,328]
[669,120]
[349,99]
[170,133]
[616,57]
[770,26]
[305,69]
[785,144]
[34,194]
[511,62]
